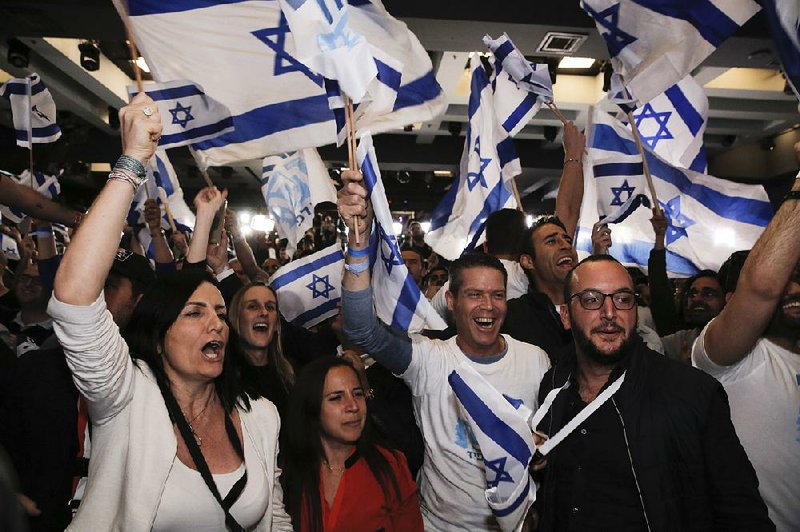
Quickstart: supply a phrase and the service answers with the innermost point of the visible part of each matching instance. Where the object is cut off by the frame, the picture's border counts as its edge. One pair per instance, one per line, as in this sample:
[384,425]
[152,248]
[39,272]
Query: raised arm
[570,189]
[662,304]
[34,204]
[88,259]
[152,215]
[765,274]
[206,203]
[243,250]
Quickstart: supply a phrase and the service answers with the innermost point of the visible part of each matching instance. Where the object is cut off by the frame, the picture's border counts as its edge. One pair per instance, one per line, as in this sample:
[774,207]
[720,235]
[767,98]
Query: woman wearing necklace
[336,478]
[176,444]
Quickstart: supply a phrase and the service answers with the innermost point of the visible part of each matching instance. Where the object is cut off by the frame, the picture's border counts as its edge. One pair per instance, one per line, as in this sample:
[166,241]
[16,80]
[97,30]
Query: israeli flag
[708,218]
[310,288]
[162,174]
[654,44]
[526,75]
[673,124]
[187,114]
[488,162]
[397,298]
[33,110]
[249,64]
[505,441]
[784,24]
[292,185]
[46,185]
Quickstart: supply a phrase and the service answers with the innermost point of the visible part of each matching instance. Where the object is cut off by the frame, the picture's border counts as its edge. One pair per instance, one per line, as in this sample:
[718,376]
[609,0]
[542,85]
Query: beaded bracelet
[357,253]
[126,162]
[126,175]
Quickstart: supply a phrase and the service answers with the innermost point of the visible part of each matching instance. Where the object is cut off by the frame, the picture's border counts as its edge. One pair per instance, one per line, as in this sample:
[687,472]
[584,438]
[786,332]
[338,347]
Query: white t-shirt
[452,480]
[764,393]
[516,286]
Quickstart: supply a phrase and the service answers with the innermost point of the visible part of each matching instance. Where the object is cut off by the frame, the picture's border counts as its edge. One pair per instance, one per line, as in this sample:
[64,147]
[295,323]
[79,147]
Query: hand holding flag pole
[165,202]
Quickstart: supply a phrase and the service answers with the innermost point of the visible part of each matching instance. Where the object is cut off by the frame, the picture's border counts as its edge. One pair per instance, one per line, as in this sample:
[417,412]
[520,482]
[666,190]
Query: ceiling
[748,105]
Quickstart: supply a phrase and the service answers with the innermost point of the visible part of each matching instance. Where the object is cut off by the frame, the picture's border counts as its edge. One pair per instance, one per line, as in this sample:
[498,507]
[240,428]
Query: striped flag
[33,110]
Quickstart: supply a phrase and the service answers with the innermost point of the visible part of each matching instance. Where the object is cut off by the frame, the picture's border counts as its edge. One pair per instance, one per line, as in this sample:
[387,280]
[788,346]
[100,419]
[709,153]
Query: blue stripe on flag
[709,21]
[197,132]
[315,312]
[524,106]
[700,163]
[292,276]
[694,121]
[441,214]
[138,8]
[638,252]
[38,132]
[21,89]
[387,75]
[406,304]
[174,93]
[517,502]
[495,201]
[503,50]
[506,151]
[165,181]
[491,425]
[418,92]
[272,118]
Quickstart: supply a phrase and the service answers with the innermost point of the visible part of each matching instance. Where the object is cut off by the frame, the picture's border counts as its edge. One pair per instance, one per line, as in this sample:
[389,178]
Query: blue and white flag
[654,44]
[398,300]
[708,218]
[163,175]
[505,441]
[292,185]
[488,162]
[309,289]
[249,65]
[187,114]
[527,76]
[673,123]
[33,110]
[784,24]
[46,185]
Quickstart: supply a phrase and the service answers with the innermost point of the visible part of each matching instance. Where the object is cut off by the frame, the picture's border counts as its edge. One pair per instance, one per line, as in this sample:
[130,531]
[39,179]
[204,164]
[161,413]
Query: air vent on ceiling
[561,43]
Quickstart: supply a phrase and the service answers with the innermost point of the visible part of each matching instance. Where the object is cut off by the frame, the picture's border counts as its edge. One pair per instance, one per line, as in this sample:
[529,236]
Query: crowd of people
[171,394]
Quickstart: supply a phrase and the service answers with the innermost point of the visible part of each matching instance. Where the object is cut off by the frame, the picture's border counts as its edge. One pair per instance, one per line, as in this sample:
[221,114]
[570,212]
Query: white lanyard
[582,416]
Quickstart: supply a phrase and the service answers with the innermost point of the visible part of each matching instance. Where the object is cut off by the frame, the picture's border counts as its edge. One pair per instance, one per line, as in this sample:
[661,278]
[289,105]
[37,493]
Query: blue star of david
[516,403]
[615,38]
[339,37]
[187,114]
[326,286]
[284,62]
[661,119]
[499,467]
[390,242]
[473,178]
[618,191]
[677,222]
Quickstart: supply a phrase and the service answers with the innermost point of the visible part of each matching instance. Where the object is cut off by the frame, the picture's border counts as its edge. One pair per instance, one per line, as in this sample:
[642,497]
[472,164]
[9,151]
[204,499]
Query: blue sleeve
[47,272]
[362,327]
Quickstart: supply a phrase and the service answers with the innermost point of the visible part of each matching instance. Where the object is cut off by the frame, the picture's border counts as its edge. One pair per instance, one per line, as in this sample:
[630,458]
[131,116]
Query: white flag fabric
[46,185]
[673,123]
[33,110]
[656,43]
[708,218]
[488,162]
[165,178]
[292,185]
[505,441]
[249,65]
[310,288]
[398,300]
[187,113]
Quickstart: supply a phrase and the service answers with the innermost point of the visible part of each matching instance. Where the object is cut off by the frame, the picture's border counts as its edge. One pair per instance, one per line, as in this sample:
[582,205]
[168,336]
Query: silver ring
[148,111]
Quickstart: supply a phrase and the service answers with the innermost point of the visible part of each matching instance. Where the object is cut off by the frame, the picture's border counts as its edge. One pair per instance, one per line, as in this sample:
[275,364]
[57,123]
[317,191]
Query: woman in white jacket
[175,444]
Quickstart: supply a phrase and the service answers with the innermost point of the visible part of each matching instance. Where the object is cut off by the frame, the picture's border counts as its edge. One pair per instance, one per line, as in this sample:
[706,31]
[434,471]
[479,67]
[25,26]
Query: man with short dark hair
[753,348]
[453,479]
[653,447]
[414,262]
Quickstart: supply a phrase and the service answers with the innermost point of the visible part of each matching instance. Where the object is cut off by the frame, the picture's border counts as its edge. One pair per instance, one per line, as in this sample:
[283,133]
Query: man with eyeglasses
[647,442]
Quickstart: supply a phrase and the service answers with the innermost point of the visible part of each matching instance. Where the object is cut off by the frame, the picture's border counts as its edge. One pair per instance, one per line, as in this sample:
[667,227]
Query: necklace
[197,437]
[333,469]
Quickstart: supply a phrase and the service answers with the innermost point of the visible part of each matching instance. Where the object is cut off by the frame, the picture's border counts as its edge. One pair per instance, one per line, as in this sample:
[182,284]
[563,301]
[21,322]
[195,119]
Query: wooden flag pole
[553,107]
[29,91]
[352,163]
[516,194]
[165,202]
[645,166]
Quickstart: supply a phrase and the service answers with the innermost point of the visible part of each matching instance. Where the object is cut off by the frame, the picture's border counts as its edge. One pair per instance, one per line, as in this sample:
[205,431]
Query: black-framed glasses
[593,299]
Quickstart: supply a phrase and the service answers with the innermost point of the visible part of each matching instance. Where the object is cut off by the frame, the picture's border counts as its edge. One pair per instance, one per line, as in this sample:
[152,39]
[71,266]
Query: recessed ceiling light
[576,63]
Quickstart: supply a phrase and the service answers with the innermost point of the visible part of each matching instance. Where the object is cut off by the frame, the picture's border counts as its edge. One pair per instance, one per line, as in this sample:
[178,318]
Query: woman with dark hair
[255,318]
[176,443]
[335,476]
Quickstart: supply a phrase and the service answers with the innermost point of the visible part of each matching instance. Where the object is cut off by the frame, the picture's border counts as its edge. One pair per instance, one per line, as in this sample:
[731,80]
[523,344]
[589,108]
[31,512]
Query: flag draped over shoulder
[398,300]
[784,24]
[708,218]
[309,289]
[654,44]
[33,110]
[187,114]
[673,123]
[248,64]
[489,161]
[505,441]
[292,184]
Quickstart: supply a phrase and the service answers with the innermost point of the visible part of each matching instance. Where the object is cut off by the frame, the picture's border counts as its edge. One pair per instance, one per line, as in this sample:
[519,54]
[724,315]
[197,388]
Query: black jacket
[532,318]
[691,469]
